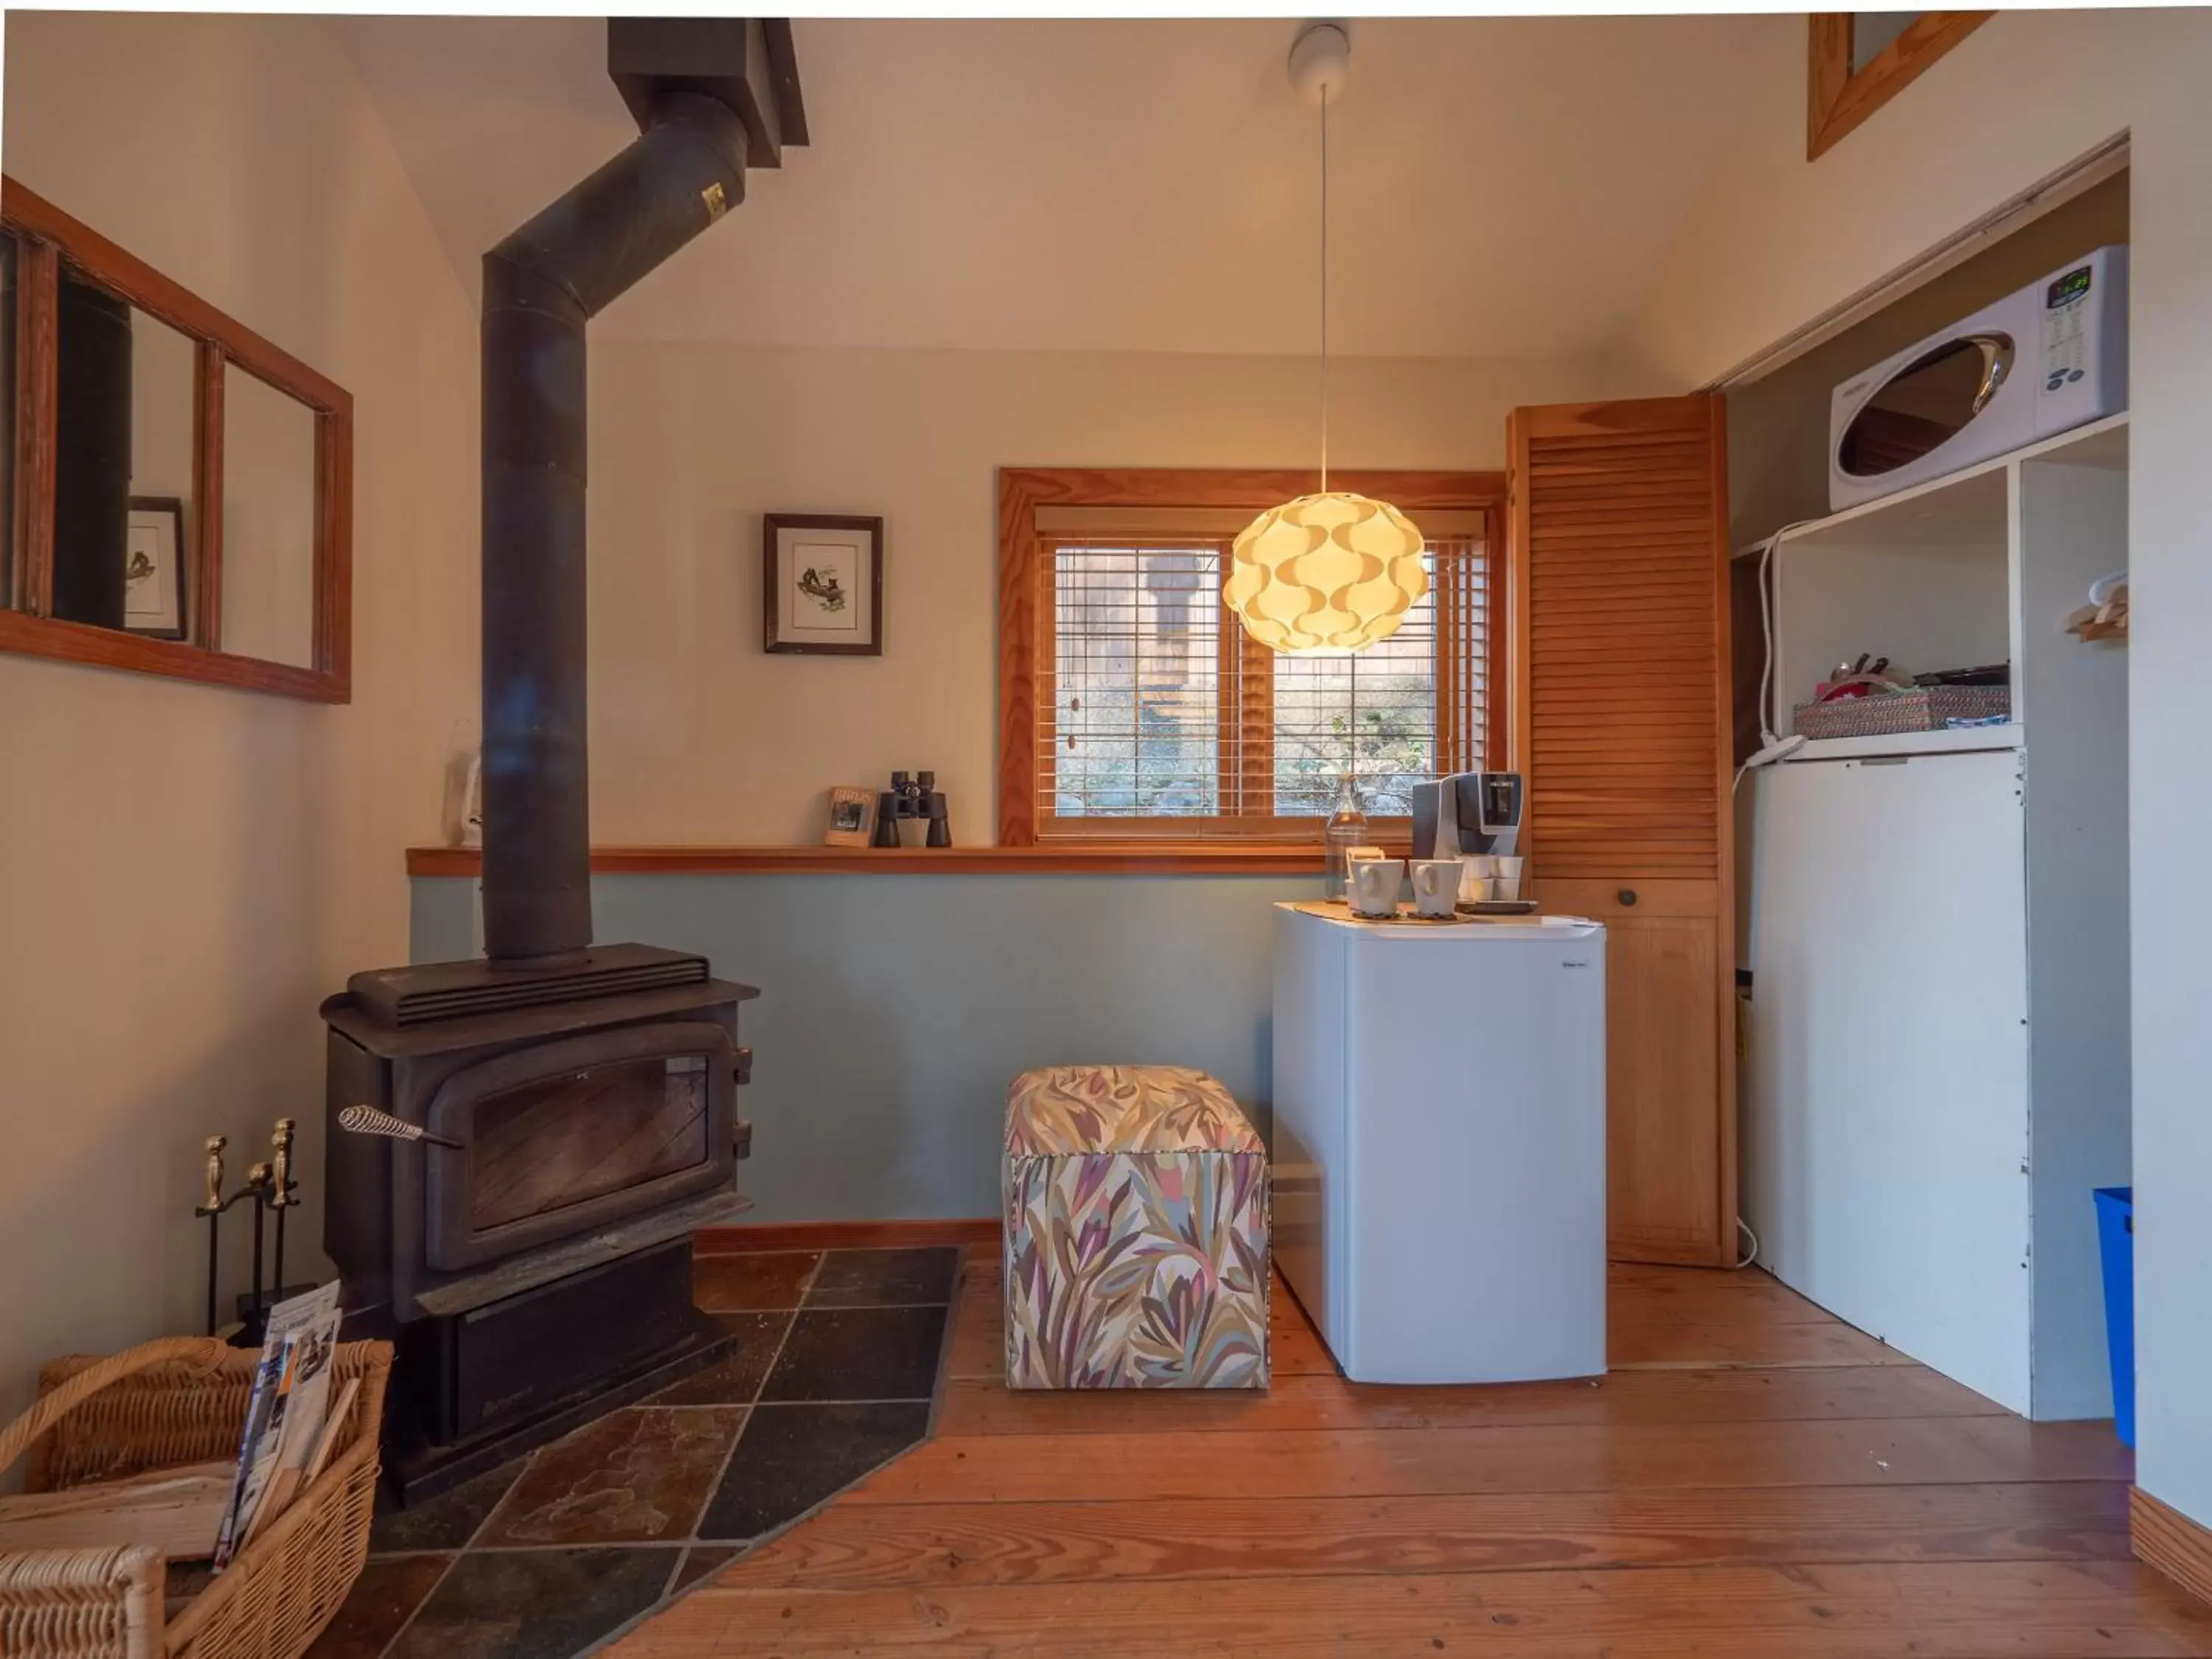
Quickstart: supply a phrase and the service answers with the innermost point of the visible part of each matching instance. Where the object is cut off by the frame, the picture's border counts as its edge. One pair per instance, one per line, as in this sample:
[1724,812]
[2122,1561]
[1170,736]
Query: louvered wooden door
[1617,595]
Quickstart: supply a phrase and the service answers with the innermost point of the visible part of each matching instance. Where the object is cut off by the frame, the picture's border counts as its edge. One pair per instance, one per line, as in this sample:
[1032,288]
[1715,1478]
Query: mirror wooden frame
[1837,99]
[47,238]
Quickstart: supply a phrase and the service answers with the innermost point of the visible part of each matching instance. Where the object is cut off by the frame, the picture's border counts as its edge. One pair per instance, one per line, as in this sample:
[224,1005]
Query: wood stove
[531,1253]
[538,1269]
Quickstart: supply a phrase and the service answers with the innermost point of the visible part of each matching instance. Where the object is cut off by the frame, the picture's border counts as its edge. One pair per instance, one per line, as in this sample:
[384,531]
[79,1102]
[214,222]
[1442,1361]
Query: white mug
[1374,883]
[1509,878]
[1436,885]
[1476,870]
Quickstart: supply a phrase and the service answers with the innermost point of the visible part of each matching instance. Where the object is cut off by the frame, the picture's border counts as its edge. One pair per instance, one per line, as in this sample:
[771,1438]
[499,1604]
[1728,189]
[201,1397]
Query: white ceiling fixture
[1333,572]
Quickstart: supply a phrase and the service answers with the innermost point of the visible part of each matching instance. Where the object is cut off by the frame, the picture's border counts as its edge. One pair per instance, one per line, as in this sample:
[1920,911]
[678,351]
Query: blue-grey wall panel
[896,1009]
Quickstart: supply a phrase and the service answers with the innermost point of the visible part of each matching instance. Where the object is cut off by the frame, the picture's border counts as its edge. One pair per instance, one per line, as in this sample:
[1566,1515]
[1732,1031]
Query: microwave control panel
[2065,324]
[2084,368]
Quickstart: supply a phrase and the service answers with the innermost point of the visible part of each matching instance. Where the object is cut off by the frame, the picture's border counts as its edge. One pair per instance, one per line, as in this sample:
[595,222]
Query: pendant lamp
[1331,572]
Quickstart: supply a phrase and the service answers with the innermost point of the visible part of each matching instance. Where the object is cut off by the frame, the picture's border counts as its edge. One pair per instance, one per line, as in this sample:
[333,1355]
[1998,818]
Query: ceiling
[1500,187]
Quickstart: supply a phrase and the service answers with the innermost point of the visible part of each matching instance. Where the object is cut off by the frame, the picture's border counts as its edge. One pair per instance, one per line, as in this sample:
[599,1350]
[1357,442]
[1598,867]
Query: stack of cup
[1485,876]
[1478,875]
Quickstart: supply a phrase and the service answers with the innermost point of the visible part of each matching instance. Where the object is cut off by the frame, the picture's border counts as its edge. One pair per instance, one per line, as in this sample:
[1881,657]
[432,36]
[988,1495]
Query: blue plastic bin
[2116,1242]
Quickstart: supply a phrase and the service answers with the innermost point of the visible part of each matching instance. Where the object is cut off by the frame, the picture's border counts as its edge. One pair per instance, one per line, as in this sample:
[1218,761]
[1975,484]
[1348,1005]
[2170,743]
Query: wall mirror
[1859,60]
[175,491]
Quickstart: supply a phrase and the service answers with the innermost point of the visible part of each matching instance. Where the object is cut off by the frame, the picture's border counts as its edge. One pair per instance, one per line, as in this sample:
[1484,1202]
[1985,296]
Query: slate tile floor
[838,1357]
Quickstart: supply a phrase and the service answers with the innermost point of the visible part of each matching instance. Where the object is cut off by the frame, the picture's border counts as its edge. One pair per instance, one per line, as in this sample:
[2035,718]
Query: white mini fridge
[1439,1158]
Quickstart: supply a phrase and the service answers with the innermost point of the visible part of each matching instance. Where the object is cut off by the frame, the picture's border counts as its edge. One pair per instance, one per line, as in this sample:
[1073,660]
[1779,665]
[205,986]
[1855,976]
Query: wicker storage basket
[183,1400]
[1922,708]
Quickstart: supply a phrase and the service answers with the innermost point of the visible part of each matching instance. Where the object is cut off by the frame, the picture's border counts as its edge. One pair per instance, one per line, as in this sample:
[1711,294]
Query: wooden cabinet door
[1662,1085]
[1618,604]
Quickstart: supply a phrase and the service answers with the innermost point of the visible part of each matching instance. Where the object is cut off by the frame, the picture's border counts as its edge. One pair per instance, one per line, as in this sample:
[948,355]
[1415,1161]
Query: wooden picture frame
[47,240]
[852,816]
[154,577]
[1838,97]
[822,584]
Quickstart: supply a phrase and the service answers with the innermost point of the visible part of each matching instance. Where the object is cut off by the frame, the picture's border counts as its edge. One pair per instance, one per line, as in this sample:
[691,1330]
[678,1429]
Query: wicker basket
[183,1400]
[1922,709]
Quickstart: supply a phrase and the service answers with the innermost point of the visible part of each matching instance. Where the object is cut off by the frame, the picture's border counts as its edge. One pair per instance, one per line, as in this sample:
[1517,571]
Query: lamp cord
[1324,290]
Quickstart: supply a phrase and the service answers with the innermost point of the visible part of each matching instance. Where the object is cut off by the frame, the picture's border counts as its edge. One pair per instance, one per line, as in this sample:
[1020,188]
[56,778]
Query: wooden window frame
[47,237]
[1024,609]
[1837,100]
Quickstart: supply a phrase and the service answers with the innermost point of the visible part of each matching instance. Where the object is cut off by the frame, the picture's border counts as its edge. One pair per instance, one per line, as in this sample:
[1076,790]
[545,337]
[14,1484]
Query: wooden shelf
[1087,858]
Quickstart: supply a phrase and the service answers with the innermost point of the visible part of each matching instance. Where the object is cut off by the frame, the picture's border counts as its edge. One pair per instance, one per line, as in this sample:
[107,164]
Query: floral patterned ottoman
[1136,1232]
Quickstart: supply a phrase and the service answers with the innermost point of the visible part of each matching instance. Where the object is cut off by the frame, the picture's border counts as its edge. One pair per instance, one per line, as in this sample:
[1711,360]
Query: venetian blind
[1158,714]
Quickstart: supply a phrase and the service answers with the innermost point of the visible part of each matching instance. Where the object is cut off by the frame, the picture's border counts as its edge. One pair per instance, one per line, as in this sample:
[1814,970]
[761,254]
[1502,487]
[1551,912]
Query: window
[1135,707]
[1131,728]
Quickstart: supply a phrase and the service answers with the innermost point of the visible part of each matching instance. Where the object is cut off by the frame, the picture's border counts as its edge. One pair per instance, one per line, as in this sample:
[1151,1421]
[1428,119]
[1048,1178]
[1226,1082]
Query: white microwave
[2052,357]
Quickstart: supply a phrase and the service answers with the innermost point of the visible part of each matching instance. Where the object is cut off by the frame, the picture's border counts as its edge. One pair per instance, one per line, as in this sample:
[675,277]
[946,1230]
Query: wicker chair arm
[63,1599]
[51,1408]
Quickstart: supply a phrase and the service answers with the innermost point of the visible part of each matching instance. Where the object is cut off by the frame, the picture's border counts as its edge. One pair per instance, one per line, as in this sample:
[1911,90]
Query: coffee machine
[1467,812]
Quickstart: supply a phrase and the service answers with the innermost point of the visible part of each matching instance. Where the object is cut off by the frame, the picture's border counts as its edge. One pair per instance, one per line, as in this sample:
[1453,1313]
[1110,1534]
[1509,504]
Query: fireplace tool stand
[269,1186]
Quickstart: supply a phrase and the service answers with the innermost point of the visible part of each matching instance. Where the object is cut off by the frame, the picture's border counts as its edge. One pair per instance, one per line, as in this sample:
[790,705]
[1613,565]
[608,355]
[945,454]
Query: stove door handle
[368,1120]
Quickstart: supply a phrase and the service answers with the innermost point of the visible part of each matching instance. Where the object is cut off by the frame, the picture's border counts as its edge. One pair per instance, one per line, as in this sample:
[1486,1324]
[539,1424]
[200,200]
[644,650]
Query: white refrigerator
[1939,1055]
[1439,1159]
[1885,1130]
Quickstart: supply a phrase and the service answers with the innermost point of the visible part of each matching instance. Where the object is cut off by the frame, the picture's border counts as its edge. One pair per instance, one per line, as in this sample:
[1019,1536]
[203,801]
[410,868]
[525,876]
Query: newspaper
[284,1415]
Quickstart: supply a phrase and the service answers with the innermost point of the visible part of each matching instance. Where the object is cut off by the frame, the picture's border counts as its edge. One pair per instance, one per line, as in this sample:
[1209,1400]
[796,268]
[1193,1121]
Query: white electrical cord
[1771,747]
[1324,290]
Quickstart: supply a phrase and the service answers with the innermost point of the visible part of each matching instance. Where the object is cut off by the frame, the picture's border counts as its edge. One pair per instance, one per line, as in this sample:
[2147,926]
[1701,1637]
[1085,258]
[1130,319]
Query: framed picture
[153,569]
[850,811]
[822,582]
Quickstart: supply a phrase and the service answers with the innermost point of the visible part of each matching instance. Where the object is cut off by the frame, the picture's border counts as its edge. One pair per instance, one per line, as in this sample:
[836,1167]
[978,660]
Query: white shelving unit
[1939,1054]
[1913,742]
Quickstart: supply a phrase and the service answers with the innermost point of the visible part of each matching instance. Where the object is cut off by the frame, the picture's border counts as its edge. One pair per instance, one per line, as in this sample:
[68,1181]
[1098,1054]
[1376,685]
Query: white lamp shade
[1332,572]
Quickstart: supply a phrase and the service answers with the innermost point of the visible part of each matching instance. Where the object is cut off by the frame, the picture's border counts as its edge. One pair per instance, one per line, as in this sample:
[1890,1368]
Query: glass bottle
[1347,829]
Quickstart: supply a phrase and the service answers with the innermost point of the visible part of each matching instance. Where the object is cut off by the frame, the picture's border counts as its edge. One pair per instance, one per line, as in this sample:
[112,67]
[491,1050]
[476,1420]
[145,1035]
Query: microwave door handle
[1993,374]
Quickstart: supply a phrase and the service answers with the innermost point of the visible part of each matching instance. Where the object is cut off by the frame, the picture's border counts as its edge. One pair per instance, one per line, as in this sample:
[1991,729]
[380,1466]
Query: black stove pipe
[540,287]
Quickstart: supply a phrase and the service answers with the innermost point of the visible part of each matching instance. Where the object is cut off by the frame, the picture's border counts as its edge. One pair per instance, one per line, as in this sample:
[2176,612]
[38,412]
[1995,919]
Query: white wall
[185,871]
[1773,241]
[699,736]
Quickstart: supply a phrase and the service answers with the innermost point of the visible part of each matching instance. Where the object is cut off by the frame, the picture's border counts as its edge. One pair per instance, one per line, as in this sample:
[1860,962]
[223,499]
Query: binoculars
[912,796]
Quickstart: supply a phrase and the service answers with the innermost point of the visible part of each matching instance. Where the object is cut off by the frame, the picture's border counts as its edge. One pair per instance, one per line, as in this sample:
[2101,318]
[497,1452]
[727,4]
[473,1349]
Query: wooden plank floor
[1755,1479]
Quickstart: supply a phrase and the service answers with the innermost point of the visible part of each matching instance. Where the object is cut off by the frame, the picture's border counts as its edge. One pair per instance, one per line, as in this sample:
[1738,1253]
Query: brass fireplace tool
[271,1186]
